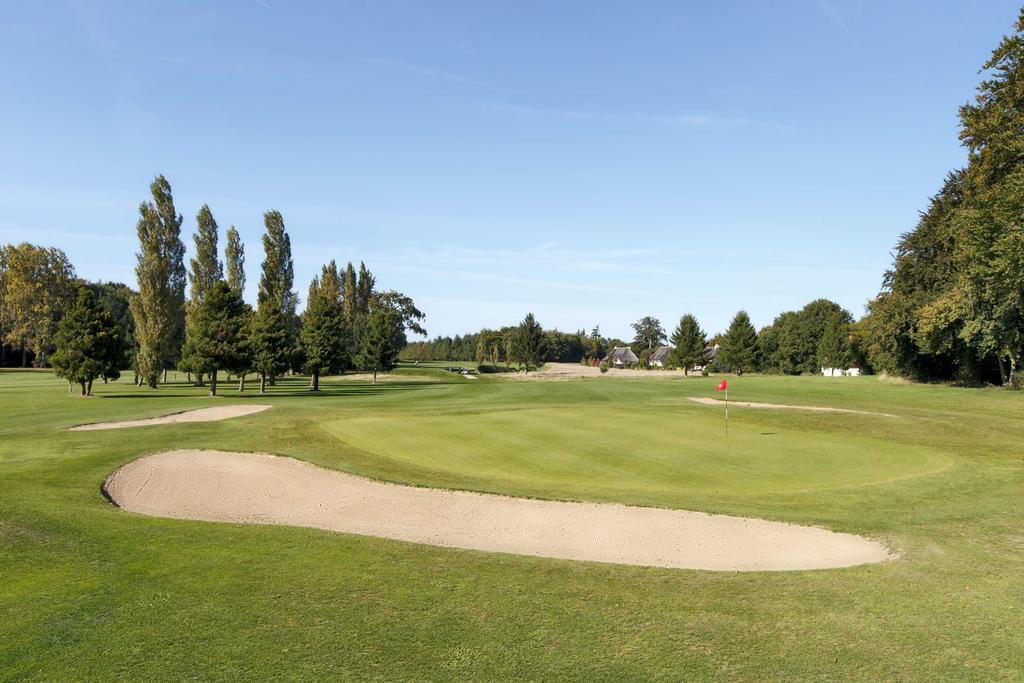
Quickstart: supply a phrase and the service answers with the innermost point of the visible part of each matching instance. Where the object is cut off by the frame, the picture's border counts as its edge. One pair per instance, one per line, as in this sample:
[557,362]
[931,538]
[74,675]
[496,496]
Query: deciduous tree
[234,259]
[649,333]
[159,307]
[36,287]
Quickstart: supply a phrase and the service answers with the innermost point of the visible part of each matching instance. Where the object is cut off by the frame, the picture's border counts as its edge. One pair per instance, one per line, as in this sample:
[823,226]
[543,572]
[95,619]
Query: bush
[486,368]
[603,367]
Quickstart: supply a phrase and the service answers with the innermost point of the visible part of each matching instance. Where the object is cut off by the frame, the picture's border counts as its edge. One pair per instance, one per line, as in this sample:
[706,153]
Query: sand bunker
[266,489]
[779,406]
[201,415]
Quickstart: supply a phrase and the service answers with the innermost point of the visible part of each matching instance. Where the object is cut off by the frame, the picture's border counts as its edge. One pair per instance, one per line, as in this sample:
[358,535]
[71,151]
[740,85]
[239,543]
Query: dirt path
[779,406]
[266,489]
[213,414]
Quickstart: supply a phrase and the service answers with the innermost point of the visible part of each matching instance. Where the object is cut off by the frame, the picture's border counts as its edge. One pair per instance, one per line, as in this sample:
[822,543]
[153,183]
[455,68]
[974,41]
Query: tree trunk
[273,380]
[263,382]
[164,380]
[213,383]
[82,384]
[316,380]
[71,386]
[1002,371]
[199,379]
[241,382]
[375,375]
[88,390]
[24,355]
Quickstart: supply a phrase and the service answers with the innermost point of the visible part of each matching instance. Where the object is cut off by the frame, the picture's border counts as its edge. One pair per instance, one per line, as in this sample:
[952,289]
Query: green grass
[92,592]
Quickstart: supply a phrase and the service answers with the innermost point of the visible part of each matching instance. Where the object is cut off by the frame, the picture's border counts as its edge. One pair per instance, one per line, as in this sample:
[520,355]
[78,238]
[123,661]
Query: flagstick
[726,412]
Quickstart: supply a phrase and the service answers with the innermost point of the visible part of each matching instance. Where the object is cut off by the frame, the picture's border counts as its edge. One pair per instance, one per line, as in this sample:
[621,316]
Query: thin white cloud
[683,120]
[831,11]
[423,70]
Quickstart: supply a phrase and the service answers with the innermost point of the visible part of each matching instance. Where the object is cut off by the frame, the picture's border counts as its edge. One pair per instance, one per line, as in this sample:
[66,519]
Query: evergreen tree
[689,342]
[89,343]
[268,343]
[526,344]
[204,271]
[234,257]
[220,326]
[649,333]
[378,351]
[159,307]
[739,346]
[323,338]
[115,298]
[834,347]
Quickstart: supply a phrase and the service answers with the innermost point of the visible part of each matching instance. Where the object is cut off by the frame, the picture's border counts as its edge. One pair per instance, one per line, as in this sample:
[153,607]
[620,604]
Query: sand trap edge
[229,412]
[867,550]
[705,401]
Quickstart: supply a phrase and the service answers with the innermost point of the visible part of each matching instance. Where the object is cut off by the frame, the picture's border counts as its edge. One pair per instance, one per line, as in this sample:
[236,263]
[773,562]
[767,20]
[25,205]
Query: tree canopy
[89,343]
[739,346]
[649,333]
[688,342]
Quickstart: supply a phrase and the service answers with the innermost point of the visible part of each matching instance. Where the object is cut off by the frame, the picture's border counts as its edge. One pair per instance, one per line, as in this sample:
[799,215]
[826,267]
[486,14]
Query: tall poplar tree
[234,260]
[159,307]
[364,289]
[205,268]
[278,277]
[349,295]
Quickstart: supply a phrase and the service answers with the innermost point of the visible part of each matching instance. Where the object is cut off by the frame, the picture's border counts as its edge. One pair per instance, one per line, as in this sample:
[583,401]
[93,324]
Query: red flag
[722,386]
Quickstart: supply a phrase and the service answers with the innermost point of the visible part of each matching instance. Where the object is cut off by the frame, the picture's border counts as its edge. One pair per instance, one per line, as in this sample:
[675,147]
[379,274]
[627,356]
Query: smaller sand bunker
[213,414]
[779,406]
[266,489]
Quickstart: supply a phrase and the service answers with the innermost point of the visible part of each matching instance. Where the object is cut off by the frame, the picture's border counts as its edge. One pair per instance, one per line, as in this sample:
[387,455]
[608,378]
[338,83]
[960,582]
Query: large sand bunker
[780,406]
[267,489]
[200,415]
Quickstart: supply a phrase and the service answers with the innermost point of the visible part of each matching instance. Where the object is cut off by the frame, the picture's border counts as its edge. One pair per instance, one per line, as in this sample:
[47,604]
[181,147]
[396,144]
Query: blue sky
[589,162]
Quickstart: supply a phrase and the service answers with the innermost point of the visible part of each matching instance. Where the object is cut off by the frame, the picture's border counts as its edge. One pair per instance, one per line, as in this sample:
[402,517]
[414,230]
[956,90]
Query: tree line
[952,305]
[87,331]
[797,342]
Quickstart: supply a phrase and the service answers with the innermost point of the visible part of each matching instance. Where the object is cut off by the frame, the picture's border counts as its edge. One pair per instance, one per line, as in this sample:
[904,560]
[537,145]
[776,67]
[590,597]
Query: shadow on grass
[288,387]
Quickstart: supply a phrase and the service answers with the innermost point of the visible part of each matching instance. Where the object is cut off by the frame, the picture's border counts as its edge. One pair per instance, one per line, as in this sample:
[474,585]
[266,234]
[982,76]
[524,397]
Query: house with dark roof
[621,356]
[659,357]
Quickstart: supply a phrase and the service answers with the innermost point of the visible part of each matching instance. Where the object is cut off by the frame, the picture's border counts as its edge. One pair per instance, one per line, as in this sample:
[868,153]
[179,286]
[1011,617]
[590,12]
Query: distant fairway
[95,592]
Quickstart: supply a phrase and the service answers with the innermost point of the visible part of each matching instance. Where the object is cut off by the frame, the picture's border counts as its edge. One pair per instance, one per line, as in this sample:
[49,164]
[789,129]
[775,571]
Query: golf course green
[91,591]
